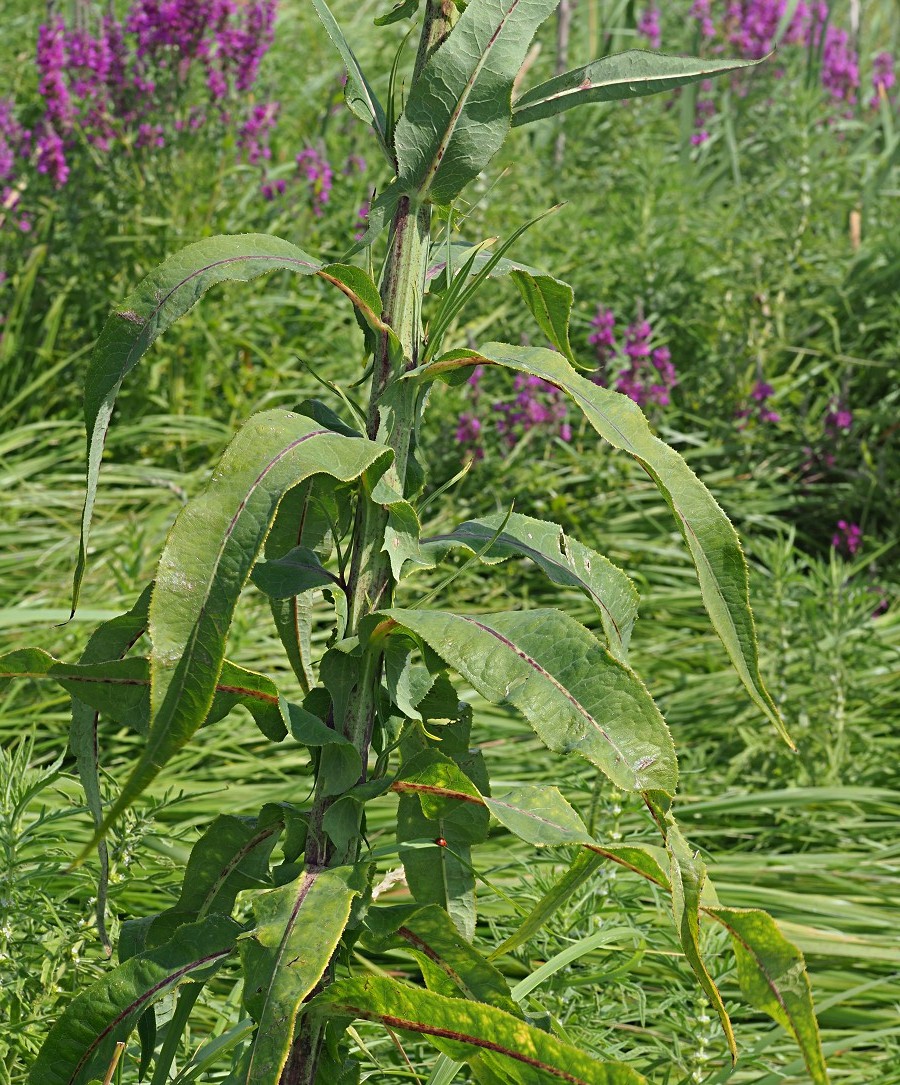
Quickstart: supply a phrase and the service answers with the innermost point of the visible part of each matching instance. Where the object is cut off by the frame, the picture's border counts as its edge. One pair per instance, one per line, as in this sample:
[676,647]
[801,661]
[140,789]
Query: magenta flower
[319,177]
[648,27]
[847,540]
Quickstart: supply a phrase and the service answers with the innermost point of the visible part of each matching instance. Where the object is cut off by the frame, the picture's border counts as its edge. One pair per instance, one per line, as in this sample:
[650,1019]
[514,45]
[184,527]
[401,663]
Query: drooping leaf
[645,859]
[458,111]
[407,681]
[206,562]
[710,537]
[565,561]
[632,74]
[297,929]
[79,1046]
[307,516]
[461,252]
[773,978]
[462,1029]
[539,815]
[687,875]
[441,805]
[576,696]
[403,10]
[360,97]
[550,301]
[165,295]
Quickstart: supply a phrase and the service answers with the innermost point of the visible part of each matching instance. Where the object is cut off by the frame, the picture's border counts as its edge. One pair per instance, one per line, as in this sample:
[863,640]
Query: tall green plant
[304,501]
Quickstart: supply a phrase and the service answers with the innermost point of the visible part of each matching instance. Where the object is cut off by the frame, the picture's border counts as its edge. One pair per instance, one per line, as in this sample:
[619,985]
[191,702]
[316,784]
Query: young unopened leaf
[463,1029]
[631,74]
[710,537]
[297,929]
[458,111]
[81,1043]
[565,561]
[576,696]
[773,978]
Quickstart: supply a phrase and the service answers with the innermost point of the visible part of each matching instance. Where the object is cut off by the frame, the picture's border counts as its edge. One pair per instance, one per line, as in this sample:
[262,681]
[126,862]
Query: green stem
[391,420]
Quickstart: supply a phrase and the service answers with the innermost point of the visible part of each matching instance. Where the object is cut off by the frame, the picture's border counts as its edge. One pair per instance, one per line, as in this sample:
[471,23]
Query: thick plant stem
[392,421]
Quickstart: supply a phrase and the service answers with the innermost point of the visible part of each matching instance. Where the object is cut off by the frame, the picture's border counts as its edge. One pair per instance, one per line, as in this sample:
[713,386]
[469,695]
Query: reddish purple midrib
[171,978]
[460,1037]
[576,704]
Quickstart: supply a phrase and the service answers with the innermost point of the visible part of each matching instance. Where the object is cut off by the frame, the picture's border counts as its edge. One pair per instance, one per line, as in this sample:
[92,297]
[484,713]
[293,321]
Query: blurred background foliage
[752,227]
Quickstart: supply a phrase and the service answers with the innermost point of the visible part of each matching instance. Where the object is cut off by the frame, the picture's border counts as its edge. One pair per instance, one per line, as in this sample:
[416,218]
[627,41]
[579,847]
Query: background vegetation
[764,256]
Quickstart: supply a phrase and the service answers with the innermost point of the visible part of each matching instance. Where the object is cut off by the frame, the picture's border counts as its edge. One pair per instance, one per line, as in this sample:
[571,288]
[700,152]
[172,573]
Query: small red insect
[441,842]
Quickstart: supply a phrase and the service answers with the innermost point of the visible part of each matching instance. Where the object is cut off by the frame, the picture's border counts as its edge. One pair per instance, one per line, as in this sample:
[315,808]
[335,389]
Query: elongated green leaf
[631,74]
[645,859]
[120,688]
[583,866]
[207,560]
[297,929]
[539,815]
[440,803]
[550,302]
[458,111]
[231,855]
[773,978]
[563,559]
[687,874]
[576,696]
[81,1043]
[436,280]
[712,541]
[463,1029]
[298,571]
[450,966]
[164,296]
[361,99]
[306,517]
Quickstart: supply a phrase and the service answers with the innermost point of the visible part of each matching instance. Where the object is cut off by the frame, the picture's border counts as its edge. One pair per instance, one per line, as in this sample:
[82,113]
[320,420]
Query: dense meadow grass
[756,238]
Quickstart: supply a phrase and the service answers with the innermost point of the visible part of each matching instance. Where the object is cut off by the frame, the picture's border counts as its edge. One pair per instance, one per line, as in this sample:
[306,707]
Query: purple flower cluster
[319,176]
[124,81]
[883,76]
[838,420]
[535,405]
[649,374]
[748,27]
[648,27]
[847,539]
[760,395]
